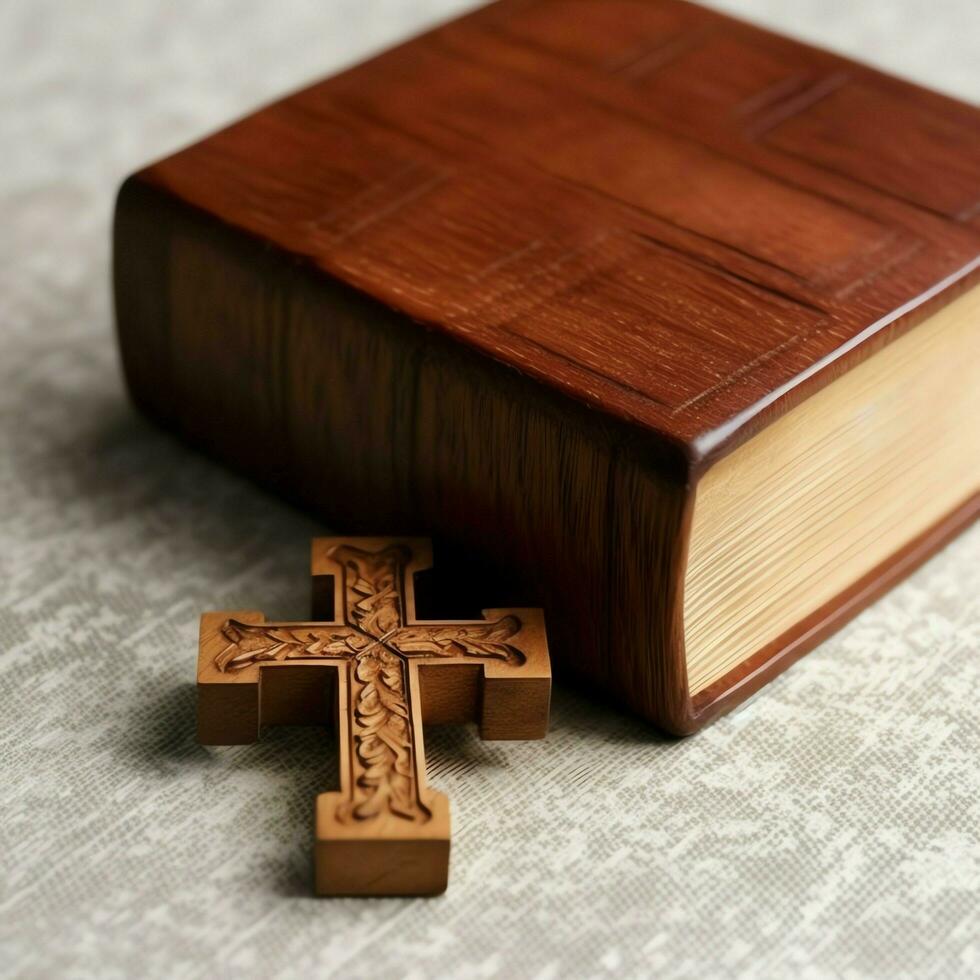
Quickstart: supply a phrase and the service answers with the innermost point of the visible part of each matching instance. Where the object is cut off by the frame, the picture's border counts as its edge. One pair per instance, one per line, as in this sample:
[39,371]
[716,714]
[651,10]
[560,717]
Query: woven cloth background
[830,828]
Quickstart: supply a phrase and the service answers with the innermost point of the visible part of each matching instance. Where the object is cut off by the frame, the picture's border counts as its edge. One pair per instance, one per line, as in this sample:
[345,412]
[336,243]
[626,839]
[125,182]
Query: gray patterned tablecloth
[830,828]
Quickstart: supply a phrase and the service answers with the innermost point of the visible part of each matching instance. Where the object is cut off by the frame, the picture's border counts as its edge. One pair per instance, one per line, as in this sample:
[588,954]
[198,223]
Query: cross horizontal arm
[485,640]
[253,643]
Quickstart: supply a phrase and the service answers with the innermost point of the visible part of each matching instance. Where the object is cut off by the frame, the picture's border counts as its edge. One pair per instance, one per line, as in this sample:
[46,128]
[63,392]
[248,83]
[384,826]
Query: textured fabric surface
[830,828]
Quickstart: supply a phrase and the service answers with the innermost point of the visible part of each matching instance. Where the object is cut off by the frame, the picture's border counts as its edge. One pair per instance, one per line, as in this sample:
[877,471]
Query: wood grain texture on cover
[738,205]
[520,281]
[384,832]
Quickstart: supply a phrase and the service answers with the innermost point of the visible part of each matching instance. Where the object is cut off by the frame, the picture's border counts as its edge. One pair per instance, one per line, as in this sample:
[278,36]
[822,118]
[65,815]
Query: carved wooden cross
[385,832]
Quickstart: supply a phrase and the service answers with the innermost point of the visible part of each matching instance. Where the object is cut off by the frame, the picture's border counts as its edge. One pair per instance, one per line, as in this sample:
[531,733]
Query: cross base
[353,859]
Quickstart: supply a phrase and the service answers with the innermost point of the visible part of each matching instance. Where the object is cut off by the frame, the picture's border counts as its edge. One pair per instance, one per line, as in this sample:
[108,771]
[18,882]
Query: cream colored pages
[832,489]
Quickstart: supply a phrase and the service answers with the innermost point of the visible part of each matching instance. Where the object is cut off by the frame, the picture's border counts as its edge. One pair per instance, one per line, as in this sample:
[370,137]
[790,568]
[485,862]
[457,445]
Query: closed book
[672,321]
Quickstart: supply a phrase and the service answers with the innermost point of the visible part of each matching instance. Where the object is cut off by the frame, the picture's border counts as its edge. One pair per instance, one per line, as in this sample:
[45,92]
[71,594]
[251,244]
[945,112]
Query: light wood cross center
[385,832]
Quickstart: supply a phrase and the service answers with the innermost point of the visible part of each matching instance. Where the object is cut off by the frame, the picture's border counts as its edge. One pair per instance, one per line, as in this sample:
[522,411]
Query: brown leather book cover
[523,281]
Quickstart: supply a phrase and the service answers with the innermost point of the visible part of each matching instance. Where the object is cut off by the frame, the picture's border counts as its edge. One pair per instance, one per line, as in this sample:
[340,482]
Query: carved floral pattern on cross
[377,644]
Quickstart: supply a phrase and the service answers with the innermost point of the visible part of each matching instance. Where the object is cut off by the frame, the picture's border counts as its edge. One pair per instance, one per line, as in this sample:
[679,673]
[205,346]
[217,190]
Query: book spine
[380,425]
